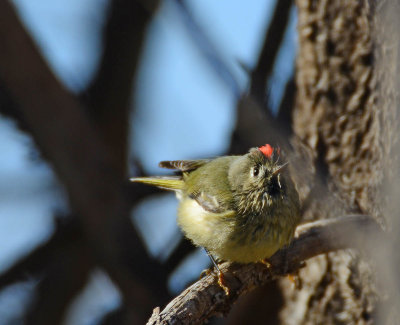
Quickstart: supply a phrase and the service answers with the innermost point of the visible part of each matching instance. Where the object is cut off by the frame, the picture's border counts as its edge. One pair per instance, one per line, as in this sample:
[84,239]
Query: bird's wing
[183,165]
[208,202]
[209,185]
[172,183]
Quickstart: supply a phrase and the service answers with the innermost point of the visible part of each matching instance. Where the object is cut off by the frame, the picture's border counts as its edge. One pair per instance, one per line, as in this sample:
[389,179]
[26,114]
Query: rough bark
[337,115]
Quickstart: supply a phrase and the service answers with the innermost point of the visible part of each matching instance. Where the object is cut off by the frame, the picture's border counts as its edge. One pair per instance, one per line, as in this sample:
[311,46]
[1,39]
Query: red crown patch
[267,150]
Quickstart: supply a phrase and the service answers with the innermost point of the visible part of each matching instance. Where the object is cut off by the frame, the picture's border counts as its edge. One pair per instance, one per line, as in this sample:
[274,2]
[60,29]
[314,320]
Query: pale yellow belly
[204,228]
[214,232]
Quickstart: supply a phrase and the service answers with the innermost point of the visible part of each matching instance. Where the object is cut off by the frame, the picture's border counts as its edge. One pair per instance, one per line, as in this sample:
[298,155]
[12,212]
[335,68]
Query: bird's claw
[206,272]
[222,283]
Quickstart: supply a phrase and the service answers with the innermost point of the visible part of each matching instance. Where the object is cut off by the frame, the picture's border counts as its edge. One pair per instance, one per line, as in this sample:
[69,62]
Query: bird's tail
[172,183]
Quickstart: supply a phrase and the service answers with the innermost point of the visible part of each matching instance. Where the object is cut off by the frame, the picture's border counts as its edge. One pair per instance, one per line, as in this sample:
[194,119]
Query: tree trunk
[351,129]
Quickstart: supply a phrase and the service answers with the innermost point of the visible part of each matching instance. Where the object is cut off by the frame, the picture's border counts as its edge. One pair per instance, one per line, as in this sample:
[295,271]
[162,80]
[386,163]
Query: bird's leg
[210,269]
[221,278]
[205,273]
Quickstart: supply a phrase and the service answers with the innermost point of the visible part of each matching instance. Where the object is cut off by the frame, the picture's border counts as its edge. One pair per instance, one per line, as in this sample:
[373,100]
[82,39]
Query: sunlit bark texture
[340,115]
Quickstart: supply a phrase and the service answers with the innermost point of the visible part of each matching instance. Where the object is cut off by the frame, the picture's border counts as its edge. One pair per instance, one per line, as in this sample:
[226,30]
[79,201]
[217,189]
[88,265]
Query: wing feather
[183,165]
[208,202]
[173,183]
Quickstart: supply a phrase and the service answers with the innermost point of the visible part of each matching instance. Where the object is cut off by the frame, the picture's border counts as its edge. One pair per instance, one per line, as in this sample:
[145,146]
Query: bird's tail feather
[172,183]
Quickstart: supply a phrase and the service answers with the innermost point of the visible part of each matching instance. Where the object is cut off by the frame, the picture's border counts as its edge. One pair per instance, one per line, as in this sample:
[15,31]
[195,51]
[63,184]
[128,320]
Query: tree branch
[65,276]
[8,108]
[271,45]
[255,123]
[108,97]
[284,117]
[205,298]
[184,248]
[39,259]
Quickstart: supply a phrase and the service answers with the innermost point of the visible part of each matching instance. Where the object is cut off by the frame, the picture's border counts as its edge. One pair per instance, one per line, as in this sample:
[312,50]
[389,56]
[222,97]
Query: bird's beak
[279,169]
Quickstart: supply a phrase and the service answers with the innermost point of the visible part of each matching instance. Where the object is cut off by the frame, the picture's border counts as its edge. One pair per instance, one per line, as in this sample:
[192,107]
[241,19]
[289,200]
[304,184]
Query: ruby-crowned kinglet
[239,208]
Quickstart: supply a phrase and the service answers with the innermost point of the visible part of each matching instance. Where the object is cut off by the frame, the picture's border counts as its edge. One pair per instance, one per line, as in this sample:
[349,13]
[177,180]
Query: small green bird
[239,208]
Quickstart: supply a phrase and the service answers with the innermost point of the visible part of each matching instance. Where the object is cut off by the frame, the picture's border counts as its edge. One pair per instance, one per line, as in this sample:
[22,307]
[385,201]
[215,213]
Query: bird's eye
[256,171]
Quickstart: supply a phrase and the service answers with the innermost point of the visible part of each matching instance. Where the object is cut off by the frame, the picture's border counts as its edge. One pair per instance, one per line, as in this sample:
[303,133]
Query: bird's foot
[222,283]
[221,278]
[206,272]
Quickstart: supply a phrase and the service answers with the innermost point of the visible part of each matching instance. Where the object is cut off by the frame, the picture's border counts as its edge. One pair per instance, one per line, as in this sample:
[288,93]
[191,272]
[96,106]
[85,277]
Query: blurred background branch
[271,45]
[256,122]
[109,95]
[96,194]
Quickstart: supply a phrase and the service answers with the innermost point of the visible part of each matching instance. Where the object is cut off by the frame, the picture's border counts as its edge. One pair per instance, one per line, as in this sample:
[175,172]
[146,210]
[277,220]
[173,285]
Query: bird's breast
[204,228]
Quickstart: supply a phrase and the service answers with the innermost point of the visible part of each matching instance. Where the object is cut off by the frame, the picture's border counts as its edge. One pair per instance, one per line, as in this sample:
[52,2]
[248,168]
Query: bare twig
[205,298]
[271,45]
[255,123]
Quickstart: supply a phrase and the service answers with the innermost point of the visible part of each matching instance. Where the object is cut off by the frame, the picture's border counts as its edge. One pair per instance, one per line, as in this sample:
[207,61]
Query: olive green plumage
[240,208]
